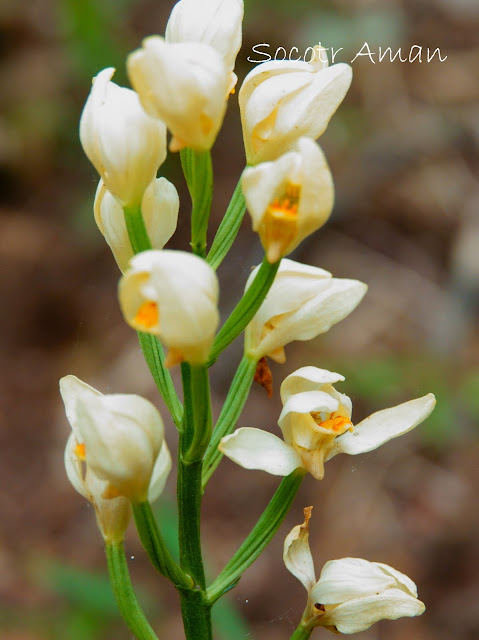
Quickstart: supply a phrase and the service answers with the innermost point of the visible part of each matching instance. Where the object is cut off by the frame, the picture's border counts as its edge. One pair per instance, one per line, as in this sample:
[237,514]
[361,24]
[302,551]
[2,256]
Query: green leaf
[228,229]
[246,308]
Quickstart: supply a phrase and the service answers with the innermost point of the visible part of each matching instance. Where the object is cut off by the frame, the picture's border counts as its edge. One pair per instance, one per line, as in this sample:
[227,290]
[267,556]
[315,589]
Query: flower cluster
[116,455]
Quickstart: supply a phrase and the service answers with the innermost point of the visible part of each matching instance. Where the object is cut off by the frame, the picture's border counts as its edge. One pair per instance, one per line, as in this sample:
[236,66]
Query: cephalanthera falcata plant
[116,455]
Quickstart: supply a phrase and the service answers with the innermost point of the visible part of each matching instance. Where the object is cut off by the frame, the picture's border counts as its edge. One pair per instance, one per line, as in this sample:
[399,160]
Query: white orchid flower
[289,198]
[120,440]
[351,594]
[159,207]
[281,101]
[125,145]
[173,295]
[186,85]
[303,302]
[316,426]
[213,22]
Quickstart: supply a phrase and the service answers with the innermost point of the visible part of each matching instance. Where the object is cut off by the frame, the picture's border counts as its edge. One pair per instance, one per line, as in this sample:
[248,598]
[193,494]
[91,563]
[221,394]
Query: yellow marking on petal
[111,492]
[279,225]
[80,451]
[147,315]
[206,124]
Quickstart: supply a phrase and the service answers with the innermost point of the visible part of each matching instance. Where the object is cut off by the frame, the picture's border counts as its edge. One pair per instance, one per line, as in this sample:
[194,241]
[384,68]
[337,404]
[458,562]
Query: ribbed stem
[198,172]
[195,608]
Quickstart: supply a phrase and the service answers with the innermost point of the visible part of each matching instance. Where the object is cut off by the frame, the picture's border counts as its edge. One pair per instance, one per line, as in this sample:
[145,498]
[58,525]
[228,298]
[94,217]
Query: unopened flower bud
[281,101]
[125,145]
[184,84]
[213,22]
[173,295]
[118,437]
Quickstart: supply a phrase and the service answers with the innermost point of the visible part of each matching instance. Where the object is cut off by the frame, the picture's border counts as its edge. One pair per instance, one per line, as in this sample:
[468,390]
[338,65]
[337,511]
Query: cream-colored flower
[125,145]
[159,207]
[289,198]
[280,101]
[173,295]
[184,84]
[351,594]
[303,302]
[213,22]
[120,440]
[316,425]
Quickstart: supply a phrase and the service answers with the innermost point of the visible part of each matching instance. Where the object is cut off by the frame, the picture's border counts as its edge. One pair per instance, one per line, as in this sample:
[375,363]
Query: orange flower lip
[336,422]
[147,315]
[287,204]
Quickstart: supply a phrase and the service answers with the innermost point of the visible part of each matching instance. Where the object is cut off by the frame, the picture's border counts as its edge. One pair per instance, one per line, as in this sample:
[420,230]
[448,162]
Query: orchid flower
[351,594]
[125,145]
[173,295]
[316,426]
[281,101]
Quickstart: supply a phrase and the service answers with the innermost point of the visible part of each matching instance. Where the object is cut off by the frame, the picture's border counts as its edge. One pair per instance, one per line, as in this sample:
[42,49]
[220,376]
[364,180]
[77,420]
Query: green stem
[302,633]
[230,412]
[260,536]
[189,508]
[136,229]
[198,171]
[228,229]
[196,614]
[155,546]
[196,609]
[155,357]
[246,308]
[200,399]
[124,593]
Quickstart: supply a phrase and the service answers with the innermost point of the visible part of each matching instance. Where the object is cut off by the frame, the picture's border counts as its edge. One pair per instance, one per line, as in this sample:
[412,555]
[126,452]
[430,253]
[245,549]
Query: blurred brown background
[404,151]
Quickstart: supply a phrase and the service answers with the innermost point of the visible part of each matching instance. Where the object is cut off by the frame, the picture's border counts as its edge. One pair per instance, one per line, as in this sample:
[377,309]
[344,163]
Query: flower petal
[71,390]
[213,22]
[160,473]
[348,578]
[359,614]
[402,581]
[73,467]
[257,449]
[296,413]
[316,315]
[297,554]
[384,425]
[307,379]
